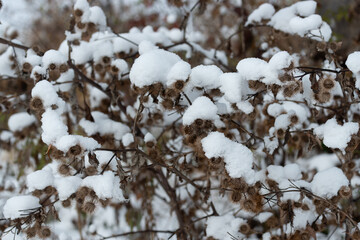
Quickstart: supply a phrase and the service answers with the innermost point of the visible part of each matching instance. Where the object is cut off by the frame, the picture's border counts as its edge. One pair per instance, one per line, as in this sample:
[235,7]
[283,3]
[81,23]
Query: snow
[104,126]
[335,135]
[149,138]
[20,206]
[105,186]
[263,12]
[205,76]
[233,86]
[258,69]
[300,19]
[202,108]
[127,139]
[47,93]
[53,127]
[97,16]
[66,186]
[39,180]
[53,57]
[180,71]
[18,121]
[238,158]
[303,218]
[327,183]
[152,67]
[219,227]
[352,62]
[64,143]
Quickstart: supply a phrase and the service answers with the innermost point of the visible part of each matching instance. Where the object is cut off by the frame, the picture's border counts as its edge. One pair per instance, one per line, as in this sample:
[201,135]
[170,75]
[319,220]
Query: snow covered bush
[204,120]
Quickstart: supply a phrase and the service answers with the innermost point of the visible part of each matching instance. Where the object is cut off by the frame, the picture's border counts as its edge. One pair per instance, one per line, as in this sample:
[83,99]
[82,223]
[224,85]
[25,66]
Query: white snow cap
[206,76]
[300,19]
[258,69]
[19,121]
[202,108]
[20,206]
[149,138]
[152,67]
[335,135]
[327,183]
[238,158]
[220,227]
[263,12]
[353,63]
[39,179]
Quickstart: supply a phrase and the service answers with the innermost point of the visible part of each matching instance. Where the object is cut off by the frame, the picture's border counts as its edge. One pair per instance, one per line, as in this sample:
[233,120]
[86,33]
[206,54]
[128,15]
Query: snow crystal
[238,158]
[335,135]
[20,206]
[205,76]
[263,12]
[202,108]
[152,67]
[327,183]
[39,180]
[19,121]
[219,227]
[46,92]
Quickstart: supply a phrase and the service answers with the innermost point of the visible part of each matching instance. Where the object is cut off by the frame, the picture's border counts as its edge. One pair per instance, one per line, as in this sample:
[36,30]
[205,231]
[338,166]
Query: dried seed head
[114,69]
[106,60]
[188,129]
[328,83]
[345,192]
[36,104]
[49,190]
[66,203]
[27,67]
[91,170]
[37,193]
[245,229]
[63,68]
[150,144]
[294,119]
[75,150]
[256,85]
[78,12]
[167,103]
[52,66]
[44,232]
[249,205]
[280,133]
[236,196]
[54,74]
[179,85]
[30,232]
[80,25]
[99,67]
[88,207]
[321,46]
[334,46]
[199,122]
[324,97]
[289,90]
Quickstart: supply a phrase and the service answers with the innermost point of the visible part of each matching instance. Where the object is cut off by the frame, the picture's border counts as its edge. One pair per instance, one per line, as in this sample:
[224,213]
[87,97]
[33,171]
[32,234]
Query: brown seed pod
[91,170]
[236,196]
[49,190]
[75,150]
[63,68]
[167,103]
[179,84]
[54,74]
[280,133]
[66,203]
[115,70]
[294,119]
[78,13]
[27,67]
[321,46]
[245,229]
[44,232]
[345,192]
[328,83]
[64,169]
[36,104]
[30,232]
[106,60]
[199,122]
[80,25]
[88,207]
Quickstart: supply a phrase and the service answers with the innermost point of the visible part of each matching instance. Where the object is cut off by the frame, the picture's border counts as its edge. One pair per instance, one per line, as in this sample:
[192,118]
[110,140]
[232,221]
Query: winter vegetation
[174,119]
